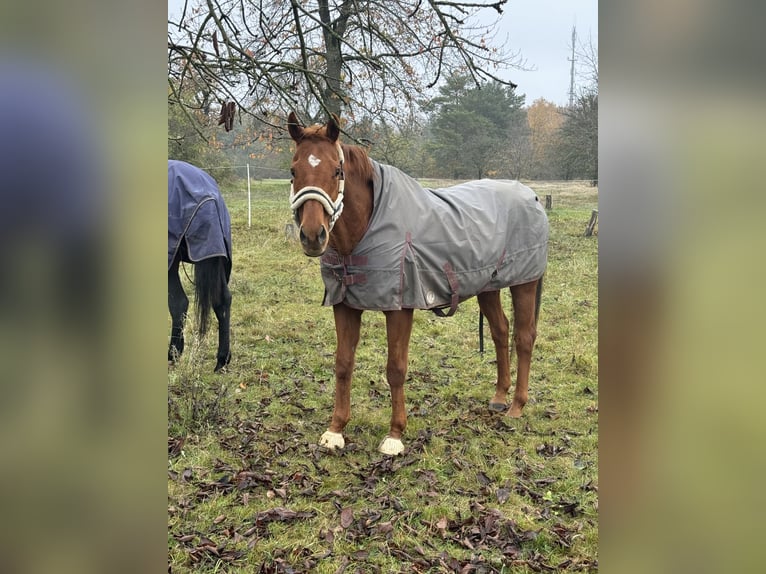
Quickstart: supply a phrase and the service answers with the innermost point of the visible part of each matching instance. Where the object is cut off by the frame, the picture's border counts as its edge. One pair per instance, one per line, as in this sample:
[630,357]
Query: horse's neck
[357,210]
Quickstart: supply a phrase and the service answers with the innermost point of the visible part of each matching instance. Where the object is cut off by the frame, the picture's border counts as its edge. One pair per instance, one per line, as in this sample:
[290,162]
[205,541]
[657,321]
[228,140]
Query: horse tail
[538,297]
[210,279]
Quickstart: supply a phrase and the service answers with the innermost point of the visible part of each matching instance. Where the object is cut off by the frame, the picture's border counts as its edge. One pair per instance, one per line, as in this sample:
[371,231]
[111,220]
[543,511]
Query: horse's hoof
[391,446]
[332,440]
[222,363]
[498,407]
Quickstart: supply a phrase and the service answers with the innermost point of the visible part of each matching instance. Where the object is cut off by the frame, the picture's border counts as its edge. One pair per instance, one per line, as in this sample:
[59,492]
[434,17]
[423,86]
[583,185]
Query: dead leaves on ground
[370,515]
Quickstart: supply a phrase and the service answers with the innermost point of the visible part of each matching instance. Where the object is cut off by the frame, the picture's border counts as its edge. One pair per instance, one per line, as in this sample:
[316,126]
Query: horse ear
[333,128]
[294,127]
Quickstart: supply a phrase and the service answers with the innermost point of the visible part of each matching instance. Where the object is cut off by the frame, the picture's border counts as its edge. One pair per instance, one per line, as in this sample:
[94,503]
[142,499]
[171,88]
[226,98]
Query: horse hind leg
[222,309]
[212,292]
[178,304]
[526,300]
[491,307]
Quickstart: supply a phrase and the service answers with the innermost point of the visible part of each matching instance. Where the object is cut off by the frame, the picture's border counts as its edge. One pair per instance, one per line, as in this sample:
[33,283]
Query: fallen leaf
[328,536]
[346,517]
[441,526]
[175,445]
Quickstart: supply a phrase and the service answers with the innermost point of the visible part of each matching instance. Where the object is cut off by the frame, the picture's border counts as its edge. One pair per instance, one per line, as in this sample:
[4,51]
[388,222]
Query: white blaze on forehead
[314,160]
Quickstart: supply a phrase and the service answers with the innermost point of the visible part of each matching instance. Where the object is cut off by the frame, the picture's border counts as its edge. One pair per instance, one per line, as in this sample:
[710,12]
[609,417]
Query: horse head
[316,194]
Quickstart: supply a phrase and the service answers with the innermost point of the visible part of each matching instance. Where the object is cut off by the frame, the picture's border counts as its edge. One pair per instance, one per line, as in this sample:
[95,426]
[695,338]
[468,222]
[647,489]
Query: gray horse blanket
[433,248]
[196,214]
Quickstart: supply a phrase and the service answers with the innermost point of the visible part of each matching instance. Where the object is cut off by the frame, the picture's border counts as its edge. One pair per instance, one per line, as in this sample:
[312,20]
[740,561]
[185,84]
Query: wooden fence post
[592,223]
[548,201]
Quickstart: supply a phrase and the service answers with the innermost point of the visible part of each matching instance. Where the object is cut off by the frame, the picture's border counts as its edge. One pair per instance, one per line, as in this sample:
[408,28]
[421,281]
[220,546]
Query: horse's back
[197,214]
[423,245]
[494,213]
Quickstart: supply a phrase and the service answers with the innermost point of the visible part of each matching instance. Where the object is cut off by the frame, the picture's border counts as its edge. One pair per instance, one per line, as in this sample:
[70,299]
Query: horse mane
[358,162]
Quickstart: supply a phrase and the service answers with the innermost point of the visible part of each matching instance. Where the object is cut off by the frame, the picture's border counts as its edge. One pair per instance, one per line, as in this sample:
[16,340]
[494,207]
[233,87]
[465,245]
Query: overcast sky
[542,31]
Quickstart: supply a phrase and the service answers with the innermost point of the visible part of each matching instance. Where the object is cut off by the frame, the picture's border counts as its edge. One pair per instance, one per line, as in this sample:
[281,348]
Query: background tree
[587,66]
[517,160]
[191,126]
[545,120]
[363,57]
[470,125]
[578,144]
[400,145]
[577,149]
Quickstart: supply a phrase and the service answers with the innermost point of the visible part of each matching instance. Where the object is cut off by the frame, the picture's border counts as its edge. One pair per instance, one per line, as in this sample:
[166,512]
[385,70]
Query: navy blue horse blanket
[196,214]
[433,248]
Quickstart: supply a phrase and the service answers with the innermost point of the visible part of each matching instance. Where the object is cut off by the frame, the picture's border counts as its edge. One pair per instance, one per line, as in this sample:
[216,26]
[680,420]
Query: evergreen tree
[470,127]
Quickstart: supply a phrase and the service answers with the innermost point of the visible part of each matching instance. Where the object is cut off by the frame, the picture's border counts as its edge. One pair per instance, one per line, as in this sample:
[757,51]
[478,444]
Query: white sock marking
[392,446]
[332,440]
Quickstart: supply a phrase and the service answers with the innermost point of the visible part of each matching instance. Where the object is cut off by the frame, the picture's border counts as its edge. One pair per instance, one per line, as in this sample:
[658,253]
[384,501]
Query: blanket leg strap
[452,279]
[481,332]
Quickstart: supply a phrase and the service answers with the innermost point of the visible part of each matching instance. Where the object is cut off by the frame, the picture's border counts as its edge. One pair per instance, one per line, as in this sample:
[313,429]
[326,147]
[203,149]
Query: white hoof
[332,440]
[392,446]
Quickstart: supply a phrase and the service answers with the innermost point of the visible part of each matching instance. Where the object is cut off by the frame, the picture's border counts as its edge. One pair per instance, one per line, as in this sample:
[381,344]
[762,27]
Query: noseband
[333,208]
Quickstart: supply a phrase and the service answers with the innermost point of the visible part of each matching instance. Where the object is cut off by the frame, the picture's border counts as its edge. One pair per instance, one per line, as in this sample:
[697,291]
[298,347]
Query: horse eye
[292,171]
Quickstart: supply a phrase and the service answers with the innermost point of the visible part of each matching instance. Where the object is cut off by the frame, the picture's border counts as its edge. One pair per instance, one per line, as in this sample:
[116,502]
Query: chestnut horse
[332,200]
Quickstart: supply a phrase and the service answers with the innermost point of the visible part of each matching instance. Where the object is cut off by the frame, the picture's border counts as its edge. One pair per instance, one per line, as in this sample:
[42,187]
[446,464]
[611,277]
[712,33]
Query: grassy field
[249,490]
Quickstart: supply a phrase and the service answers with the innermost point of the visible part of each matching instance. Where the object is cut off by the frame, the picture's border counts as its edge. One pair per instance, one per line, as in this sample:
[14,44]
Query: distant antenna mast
[572,69]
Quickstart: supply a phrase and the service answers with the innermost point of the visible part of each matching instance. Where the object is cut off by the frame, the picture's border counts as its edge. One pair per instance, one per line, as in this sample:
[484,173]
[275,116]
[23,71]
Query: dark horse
[199,232]
[388,244]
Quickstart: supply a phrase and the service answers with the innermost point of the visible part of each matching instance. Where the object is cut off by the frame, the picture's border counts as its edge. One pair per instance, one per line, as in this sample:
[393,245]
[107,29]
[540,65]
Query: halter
[333,208]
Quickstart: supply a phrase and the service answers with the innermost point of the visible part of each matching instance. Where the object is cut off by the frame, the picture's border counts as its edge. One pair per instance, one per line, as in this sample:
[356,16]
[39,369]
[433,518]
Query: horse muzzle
[314,241]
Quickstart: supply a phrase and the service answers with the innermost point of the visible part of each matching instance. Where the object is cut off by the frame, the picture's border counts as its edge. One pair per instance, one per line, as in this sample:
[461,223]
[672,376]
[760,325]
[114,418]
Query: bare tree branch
[369,57]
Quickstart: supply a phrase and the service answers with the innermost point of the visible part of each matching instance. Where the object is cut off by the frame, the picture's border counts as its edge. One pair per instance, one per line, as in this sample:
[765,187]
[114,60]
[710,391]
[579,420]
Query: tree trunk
[332,98]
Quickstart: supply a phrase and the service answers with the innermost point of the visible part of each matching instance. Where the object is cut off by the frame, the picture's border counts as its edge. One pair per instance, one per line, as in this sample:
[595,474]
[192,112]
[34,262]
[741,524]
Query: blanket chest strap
[355,279]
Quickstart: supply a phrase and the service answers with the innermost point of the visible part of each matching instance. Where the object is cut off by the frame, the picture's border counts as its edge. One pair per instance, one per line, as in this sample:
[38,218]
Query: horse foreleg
[524,299]
[178,304]
[492,308]
[222,311]
[398,330]
[348,322]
